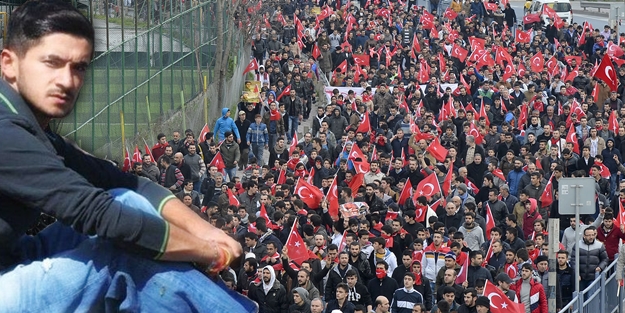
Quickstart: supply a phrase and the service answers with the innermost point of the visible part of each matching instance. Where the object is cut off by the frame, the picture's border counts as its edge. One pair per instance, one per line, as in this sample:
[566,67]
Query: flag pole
[292,229]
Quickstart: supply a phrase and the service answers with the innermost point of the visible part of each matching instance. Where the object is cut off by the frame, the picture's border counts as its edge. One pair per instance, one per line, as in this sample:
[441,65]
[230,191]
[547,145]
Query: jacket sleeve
[235,129]
[34,171]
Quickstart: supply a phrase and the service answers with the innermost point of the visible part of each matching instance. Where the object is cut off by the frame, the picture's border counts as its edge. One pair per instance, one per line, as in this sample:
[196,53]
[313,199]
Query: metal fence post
[602,293]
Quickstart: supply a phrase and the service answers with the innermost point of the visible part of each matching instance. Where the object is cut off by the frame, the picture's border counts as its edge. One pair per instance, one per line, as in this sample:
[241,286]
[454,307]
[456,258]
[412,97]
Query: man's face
[50,73]
[469,300]
[562,259]
[271,250]
[319,240]
[351,281]
[526,274]
[408,282]
[340,294]
[477,260]
[510,257]
[316,306]
[266,275]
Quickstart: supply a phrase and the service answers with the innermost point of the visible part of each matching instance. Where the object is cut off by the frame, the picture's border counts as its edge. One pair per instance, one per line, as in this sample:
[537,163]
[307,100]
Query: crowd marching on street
[431,167]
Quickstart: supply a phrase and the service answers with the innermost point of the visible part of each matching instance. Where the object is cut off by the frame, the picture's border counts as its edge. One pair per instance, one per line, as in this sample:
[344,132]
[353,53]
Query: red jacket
[538,299]
[611,240]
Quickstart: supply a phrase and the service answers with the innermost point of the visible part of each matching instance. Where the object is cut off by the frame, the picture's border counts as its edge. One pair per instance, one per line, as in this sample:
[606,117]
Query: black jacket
[35,161]
[385,287]
[275,301]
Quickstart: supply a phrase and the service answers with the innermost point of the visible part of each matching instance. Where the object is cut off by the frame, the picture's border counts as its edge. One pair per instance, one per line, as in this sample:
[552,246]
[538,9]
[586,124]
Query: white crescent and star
[431,189]
[607,71]
[299,193]
[490,296]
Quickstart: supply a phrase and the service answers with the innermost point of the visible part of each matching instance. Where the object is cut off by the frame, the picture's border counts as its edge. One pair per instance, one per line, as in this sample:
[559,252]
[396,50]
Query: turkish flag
[613,122]
[503,55]
[342,67]
[333,200]
[127,162]
[552,64]
[614,50]
[499,302]
[459,52]
[550,12]
[605,172]
[296,248]
[499,173]
[571,76]
[205,130]
[316,52]
[477,43]
[483,113]
[606,73]
[361,59]
[428,187]
[546,199]
[293,143]
[136,156]
[490,221]
[450,14]
[263,214]
[232,199]
[284,92]
[437,150]
[405,193]
[251,67]
[595,92]
[362,165]
[508,72]
[365,125]
[531,18]
[620,217]
[537,62]
[572,137]
[308,193]
[218,162]
[427,20]
[490,6]
[447,182]
[147,148]
[464,269]
[522,37]
[356,182]
[281,177]
[489,254]
[415,44]
[471,186]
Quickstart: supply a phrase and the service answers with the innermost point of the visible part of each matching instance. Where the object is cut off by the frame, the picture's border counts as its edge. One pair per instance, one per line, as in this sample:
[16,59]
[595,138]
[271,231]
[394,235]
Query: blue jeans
[293,124]
[64,271]
[231,173]
[258,149]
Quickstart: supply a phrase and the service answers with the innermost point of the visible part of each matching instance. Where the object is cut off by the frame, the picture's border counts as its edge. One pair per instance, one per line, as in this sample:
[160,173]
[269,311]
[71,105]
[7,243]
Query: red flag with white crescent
[499,302]
[428,187]
[308,193]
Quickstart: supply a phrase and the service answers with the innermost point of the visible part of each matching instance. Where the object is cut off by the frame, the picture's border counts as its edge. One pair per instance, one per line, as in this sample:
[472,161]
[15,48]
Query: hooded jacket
[225,124]
[530,217]
[591,256]
[305,306]
[271,297]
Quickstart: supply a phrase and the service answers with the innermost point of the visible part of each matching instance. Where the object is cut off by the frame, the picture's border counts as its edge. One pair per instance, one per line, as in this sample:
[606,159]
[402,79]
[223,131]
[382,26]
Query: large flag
[296,248]
[405,193]
[308,193]
[437,150]
[136,156]
[428,187]
[333,200]
[218,162]
[620,217]
[127,161]
[464,269]
[537,62]
[546,199]
[490,221]
[293,144]
[447,182]
[232,199]
[360,166]
[572,137]
[149,151]
[356,182]
[205,130]
[365,125]
[499,302]
[613,123]
[251,67]
[606,73]
[284,92]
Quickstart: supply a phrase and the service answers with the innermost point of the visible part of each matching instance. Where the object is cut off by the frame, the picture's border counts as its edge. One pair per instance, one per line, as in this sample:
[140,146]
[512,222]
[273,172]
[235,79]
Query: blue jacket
[477,8]
[225,124]
[257,133]
[514,177]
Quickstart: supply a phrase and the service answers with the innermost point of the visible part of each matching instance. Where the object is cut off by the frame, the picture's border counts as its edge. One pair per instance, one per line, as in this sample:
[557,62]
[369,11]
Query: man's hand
[465,284]
[249,143]
[285,252]
[266,146]
[173,187]
[598,269]
[238,141]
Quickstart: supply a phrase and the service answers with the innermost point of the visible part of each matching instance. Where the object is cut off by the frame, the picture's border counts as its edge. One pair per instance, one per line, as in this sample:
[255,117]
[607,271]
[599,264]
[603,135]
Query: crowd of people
[451,135]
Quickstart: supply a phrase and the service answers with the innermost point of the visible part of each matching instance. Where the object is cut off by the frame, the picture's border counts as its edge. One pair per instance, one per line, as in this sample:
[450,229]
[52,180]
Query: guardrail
[600,296]
[595,5]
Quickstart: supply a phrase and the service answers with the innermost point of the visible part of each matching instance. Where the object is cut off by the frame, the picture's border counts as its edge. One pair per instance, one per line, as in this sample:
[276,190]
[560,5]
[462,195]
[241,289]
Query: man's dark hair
[35,19]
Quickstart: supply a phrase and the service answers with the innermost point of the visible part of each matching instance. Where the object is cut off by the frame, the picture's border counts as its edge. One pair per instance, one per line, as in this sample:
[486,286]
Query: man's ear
[8,65]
